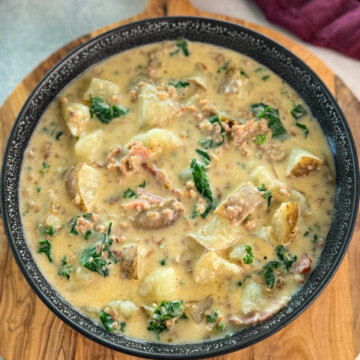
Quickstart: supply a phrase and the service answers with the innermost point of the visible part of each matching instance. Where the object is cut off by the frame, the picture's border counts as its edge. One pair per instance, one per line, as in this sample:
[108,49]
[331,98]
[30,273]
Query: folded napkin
[329,23]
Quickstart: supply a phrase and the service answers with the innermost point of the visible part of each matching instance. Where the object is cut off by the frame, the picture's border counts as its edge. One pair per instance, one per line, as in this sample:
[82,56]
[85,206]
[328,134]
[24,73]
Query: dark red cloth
[329,23]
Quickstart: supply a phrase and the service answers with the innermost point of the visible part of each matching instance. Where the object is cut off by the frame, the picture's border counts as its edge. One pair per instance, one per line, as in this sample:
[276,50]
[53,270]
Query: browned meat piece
[159,216]
[153,65]
[304,265]
[241,203]
[251,318]
[198,309]
[243,133]
[130,261]
[274,153]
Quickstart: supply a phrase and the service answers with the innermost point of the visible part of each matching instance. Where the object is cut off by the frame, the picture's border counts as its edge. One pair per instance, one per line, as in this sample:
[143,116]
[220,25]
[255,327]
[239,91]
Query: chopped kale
[87,234]
[202,184]
[122,326]
[180,84]
[194,212]
[45,247]
[108,321]
[223,67]
[260,139]
[259,69]
[298,111]
[142,185]
[243,73]
[307,232]
[285,257]
[262,110]
[212,318]
[303,128]
[65,270]
[269,273]
[73,230]
[167,310]
[204,156]
[104,112]
[219,327]
[44,166]
[209,143]
[249,257]
[129,193]
[59,135]
[162,262]
[266,77]
[38,189]
[47,230]
[267,193]
[315,238]
[182,45]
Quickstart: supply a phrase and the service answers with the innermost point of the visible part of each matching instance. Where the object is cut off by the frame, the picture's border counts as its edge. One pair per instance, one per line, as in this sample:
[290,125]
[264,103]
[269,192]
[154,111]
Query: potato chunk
[284,221]
[82,183]
[240,203]
[76,116]
[159,285]
[153,110]
[218,234]
[200,76]
[252,298]
[126,308]
[87,147]
[302,162]
[235,83]
[212,267]
[130,262]
[158,138]
[103,88]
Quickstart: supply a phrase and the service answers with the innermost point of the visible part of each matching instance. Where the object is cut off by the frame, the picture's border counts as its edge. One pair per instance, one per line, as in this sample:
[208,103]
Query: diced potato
[262,234]
[238,253]
[252,298]
[76,116]
[284,221]
[238,205]
[212,267]
[152,110]
[87,147]
[297,196]
[54,221]
[82,183]
[218,234]
[103,88]
[302,162]
[131,262]
[158,138]
[200,76]
[159,285]
[235,83]
[125,308]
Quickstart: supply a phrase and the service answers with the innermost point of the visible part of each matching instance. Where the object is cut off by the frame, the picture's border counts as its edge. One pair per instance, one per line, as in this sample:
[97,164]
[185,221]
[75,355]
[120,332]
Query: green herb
[209,143]
[108,321]
[122,326]
[266,77]
[46,230]
[298,112]
[73,230]
[44,166]
[307,232]
[204,155]
[138,67]
[249,257]
[239,283]
[243,73]
[128,193]
[202,184]
[162,262]
[224,67]
[213,318]
[260,139]
[182,45]
[262,110]
[38,189]
[219,327]
[65,270]
[180,84]
[104,112]
[167,310]
[194,213]
[87,234]
[267,193]
[303,128]
[285,257]
[45,247]
[259,69]
[59,135]
[142,185]
[315,238]
[269,273]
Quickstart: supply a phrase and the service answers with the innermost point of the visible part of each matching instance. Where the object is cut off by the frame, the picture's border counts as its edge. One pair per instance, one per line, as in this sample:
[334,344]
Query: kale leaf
[180,84]
[269,273]
[73,230]
[249,257]
[104,112]
[223,67]
[262,110]
[212,318]
[45,247]
[129,193]
[204,156]
[283,255]
[182,45]
[260,139]
[65,270]
[303,128]
[298,112]
[47,230]
[202,184]
[108,321]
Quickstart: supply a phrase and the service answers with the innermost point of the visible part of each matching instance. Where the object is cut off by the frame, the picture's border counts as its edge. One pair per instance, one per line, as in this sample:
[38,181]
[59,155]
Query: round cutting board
[329,329]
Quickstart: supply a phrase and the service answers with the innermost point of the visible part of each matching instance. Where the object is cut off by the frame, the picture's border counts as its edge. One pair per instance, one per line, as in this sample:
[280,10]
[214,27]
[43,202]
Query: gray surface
[30,30]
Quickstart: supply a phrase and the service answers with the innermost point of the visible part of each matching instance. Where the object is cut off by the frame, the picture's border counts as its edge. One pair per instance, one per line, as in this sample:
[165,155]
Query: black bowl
[285,64]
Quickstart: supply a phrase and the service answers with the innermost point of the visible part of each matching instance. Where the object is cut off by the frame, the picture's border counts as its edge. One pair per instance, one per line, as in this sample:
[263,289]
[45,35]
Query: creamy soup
[177,192]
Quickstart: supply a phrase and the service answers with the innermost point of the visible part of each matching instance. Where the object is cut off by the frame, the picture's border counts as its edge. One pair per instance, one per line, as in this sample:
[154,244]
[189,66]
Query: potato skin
[284,221]
[302,162]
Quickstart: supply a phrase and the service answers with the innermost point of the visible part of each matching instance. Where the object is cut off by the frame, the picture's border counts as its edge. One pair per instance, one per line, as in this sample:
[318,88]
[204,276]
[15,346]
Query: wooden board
[329,329]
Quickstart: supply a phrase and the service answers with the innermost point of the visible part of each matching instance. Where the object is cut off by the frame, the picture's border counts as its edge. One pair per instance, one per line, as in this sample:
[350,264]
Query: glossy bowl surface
[285,64]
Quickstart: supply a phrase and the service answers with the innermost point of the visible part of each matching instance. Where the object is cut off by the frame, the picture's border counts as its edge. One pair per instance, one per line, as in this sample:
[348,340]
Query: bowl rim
[231,347]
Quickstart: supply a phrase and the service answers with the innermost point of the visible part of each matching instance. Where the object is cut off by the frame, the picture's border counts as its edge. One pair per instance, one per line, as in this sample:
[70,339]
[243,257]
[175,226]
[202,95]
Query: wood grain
[329,329]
